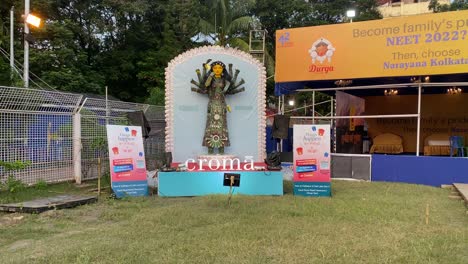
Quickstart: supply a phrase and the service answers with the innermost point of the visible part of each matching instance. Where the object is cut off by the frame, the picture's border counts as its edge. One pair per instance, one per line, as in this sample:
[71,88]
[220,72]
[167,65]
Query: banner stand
[127,161]
[311,145]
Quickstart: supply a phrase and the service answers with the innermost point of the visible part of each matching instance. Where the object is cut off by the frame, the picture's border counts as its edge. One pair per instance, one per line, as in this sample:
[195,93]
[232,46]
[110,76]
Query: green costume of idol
[216,131]
[217,83]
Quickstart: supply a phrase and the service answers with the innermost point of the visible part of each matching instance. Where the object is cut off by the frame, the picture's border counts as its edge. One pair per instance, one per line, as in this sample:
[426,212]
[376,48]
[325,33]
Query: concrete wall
[407,8]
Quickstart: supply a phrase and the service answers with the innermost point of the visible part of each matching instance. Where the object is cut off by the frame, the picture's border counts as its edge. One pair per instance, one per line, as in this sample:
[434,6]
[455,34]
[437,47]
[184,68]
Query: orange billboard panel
[406,46]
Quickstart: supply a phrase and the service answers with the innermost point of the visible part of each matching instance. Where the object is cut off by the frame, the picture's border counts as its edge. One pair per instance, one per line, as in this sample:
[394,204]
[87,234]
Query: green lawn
[362,223]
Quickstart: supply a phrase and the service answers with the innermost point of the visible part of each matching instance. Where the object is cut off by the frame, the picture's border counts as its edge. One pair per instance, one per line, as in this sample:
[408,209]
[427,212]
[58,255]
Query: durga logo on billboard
[321,50]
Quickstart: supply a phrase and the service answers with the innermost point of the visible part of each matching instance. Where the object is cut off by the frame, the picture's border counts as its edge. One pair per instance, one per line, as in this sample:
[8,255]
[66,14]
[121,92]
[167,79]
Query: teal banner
[316,189]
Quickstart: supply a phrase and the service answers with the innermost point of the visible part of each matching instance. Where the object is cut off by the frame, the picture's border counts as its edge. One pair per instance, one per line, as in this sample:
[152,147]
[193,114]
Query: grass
[363,223]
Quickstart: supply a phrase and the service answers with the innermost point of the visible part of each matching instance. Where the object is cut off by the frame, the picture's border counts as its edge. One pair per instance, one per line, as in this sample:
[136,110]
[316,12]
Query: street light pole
[12,56]
[350,14]
[26,46]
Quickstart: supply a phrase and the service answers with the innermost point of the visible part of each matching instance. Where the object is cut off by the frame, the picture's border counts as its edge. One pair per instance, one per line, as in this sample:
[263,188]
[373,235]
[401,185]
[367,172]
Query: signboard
[311,167]
[127,161]
[405,46]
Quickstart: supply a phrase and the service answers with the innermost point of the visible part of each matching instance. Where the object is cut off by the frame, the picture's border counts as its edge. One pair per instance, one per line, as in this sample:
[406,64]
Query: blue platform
[426,170]
[172,184]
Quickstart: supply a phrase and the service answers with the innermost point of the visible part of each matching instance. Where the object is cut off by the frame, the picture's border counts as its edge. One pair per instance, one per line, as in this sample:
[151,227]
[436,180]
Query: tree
[306,98]
[227,22]
[61,54]
[126,38]
[273,15]
[5,77]
[455,5]
[4,63]
[174,32]
[367,10]
[85,45]
[4,72]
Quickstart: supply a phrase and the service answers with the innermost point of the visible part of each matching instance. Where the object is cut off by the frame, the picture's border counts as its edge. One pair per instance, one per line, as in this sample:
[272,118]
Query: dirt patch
[92,215]
[21,244]
[11,219]
[69,233]
[52,214]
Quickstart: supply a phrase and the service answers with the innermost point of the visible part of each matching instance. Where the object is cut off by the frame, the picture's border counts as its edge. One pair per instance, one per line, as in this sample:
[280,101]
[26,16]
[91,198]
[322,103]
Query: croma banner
[127,161]
[405,46]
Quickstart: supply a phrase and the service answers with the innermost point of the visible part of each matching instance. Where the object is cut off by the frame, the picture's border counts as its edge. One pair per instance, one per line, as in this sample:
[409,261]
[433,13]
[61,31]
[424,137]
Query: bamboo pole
[418,127]
[427,214]
[230,190]
[99,177]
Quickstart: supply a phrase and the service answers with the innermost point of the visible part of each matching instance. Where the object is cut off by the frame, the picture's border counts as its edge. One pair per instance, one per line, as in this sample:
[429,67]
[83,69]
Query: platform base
[51,203]
[173,184]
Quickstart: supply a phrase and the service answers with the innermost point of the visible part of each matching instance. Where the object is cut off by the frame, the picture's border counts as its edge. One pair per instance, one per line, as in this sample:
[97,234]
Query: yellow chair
[387,143]
[437,145]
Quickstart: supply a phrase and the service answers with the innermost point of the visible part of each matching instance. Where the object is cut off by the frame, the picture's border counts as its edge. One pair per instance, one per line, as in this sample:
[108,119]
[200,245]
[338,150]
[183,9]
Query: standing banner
[127,161]
[311,160]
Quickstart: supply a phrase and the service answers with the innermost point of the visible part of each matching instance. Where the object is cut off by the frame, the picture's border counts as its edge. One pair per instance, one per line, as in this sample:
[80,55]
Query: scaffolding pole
[419,121]
[313,107]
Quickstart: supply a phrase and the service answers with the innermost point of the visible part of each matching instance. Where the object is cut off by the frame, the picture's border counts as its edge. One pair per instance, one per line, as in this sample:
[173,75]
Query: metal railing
[61,135]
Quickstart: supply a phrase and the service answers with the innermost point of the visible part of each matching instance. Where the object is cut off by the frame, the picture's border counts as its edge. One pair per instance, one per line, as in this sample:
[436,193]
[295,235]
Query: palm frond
[239,43]
[240,24]
[206,27]
[225,13]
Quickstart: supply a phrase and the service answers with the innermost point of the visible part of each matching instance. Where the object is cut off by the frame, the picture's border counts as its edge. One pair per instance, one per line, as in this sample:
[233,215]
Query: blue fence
[426,170]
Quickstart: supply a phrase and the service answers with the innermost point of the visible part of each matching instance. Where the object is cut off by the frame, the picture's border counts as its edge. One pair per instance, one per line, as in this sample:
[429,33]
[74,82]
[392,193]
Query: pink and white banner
[311,145]
[127,160]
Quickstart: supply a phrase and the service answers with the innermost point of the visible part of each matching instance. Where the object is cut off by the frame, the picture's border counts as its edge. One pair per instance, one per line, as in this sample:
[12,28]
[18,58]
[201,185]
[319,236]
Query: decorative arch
[184,108]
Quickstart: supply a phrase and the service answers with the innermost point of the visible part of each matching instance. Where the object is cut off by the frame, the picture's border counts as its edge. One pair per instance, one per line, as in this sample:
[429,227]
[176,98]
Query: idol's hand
[206,65]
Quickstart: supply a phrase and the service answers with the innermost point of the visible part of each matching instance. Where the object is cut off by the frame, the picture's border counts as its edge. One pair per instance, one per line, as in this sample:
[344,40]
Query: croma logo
[224,164]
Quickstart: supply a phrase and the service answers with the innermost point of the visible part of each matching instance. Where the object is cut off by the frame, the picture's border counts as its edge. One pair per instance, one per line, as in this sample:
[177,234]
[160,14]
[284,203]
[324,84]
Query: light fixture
[291,102]
[351,13]
[391,92]
[33,20]
[29,19]
[454,90]
[419,79]
[343,83]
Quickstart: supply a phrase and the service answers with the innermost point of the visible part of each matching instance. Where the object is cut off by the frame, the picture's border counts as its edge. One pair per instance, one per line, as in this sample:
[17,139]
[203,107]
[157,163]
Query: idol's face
[218,70]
